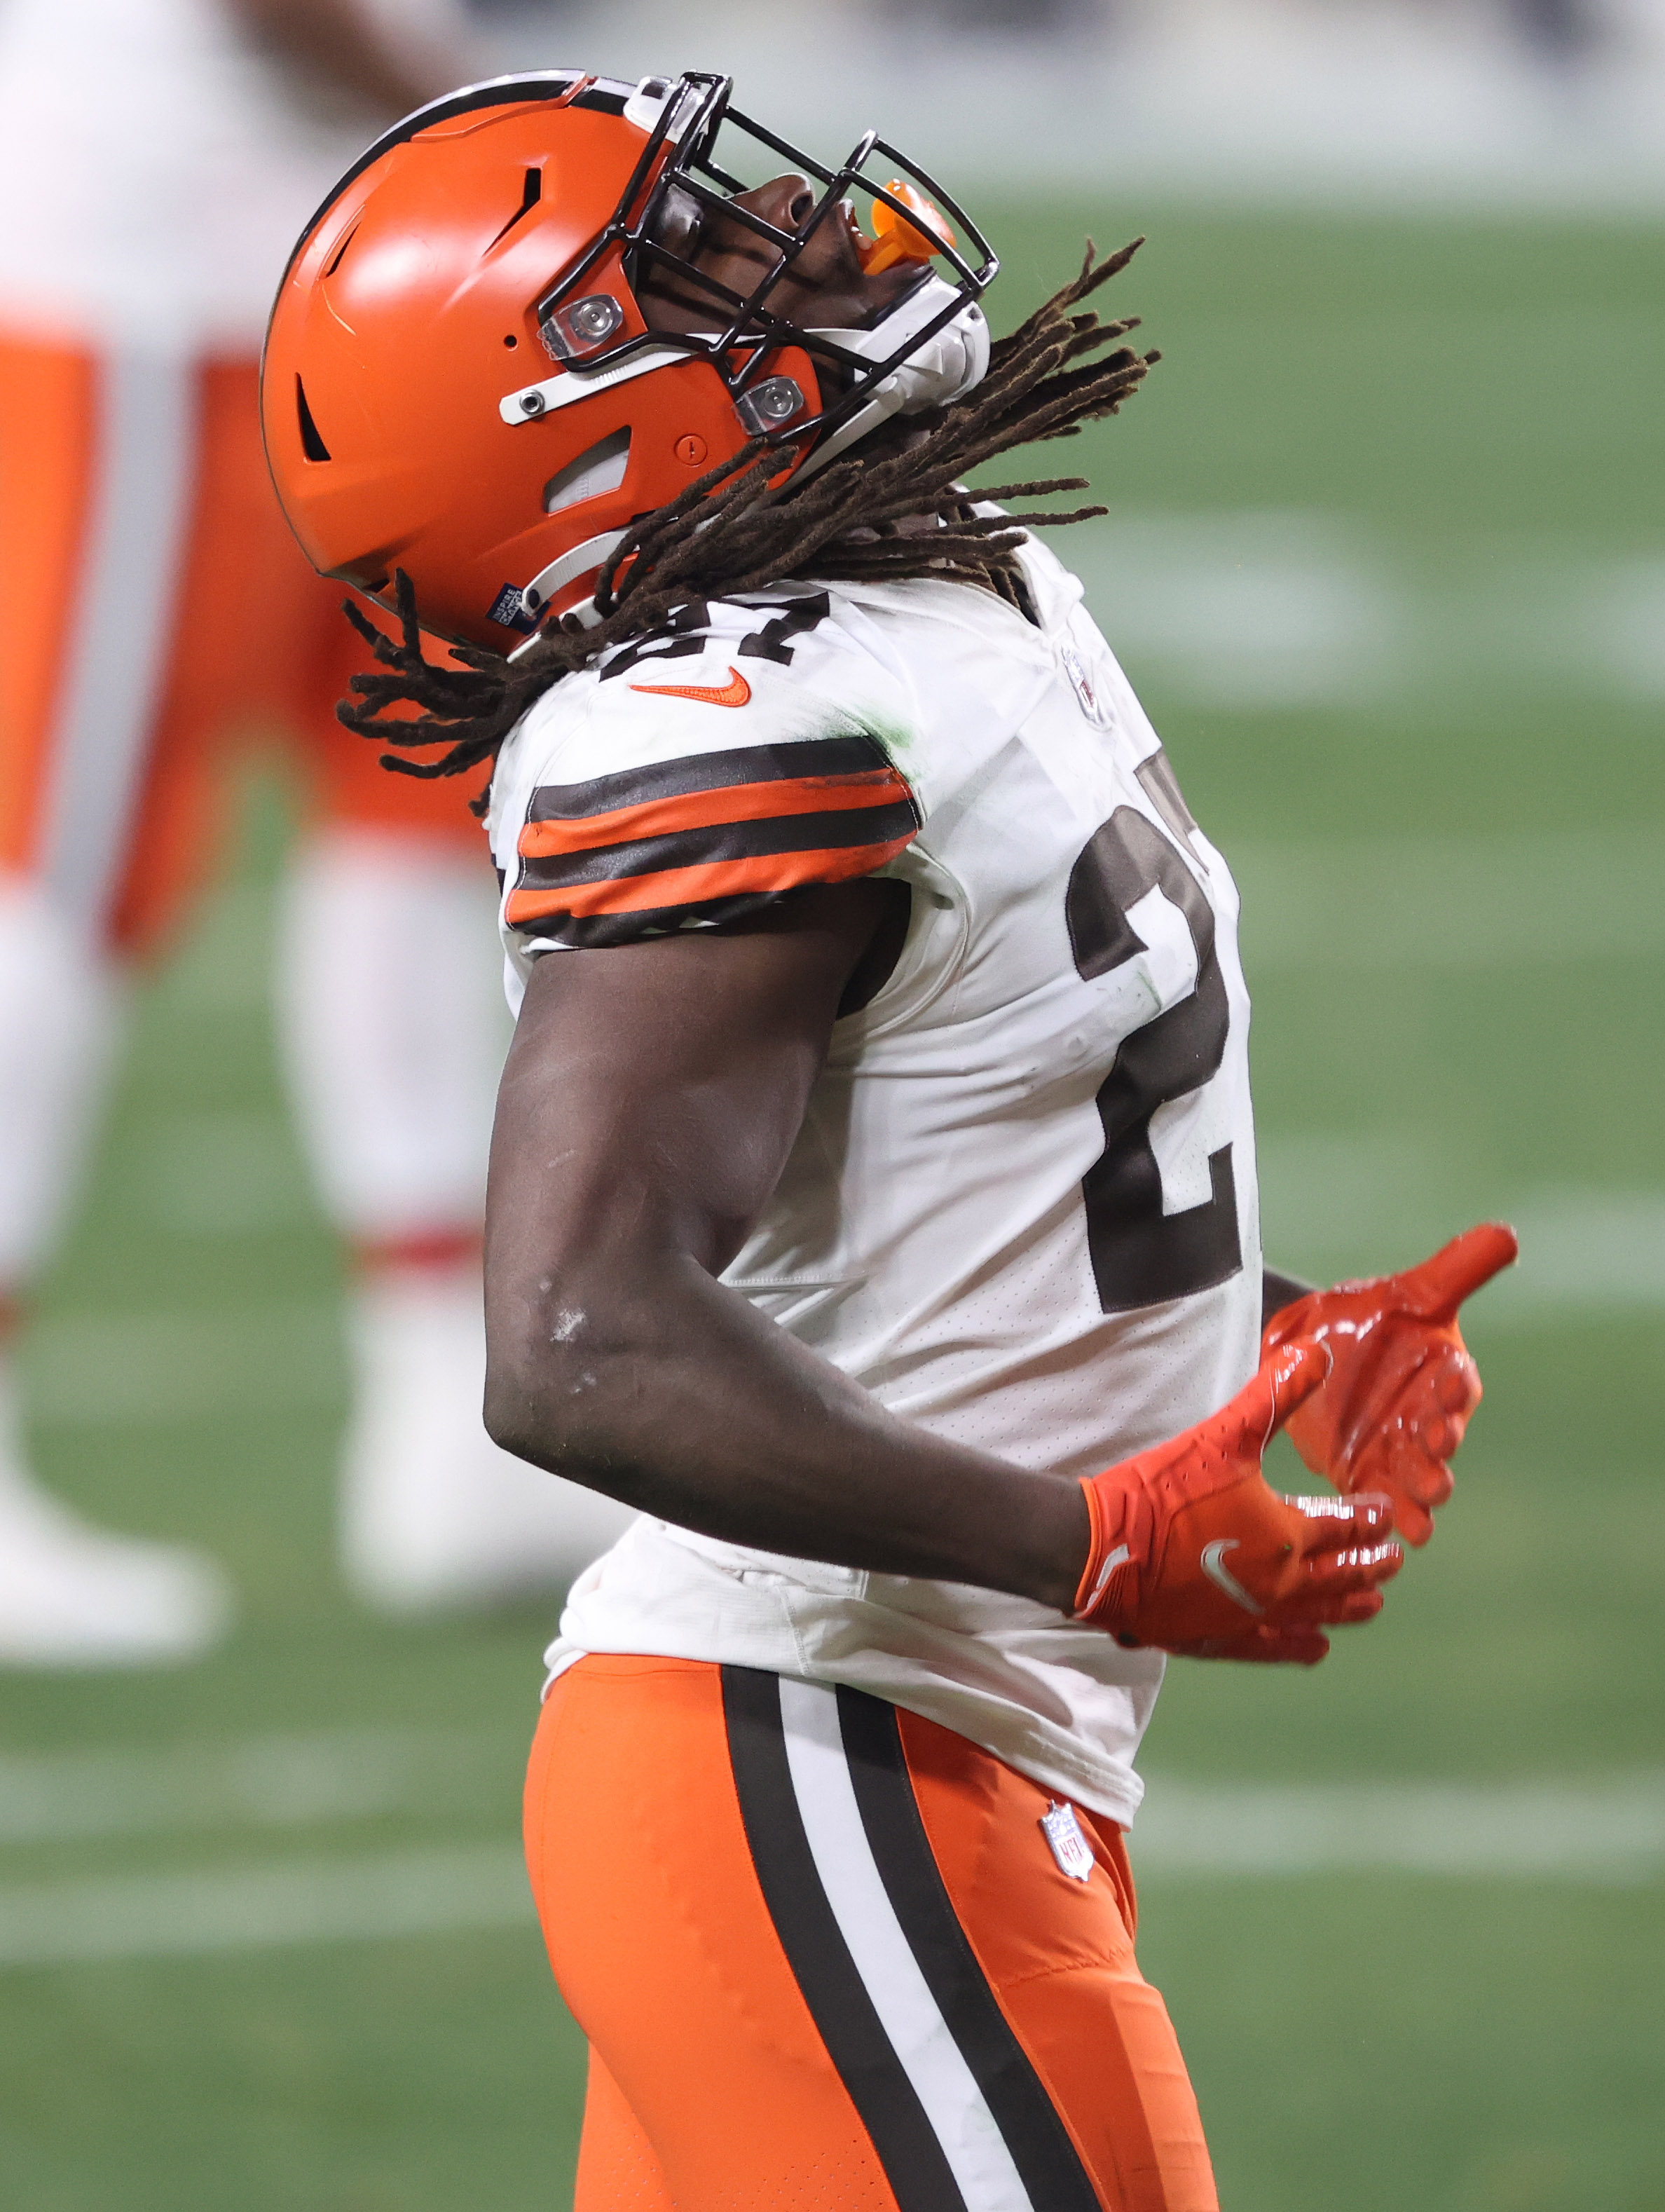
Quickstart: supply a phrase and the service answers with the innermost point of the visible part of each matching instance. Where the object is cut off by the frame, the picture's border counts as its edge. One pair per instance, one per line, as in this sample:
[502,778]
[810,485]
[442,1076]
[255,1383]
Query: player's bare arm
[651,1097]
[650,1101]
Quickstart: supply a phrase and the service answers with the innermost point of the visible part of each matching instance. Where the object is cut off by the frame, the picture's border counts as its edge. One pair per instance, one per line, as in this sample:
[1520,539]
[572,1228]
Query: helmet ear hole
[311,444]
[601,468]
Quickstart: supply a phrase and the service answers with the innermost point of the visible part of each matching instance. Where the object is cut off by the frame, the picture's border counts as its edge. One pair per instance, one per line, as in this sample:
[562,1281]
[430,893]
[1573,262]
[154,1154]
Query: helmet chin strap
[948,364]
[574,562]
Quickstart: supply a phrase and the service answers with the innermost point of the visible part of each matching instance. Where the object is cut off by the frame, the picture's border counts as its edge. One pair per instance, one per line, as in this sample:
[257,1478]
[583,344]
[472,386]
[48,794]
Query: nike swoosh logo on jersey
[737,692]
[1214,1567]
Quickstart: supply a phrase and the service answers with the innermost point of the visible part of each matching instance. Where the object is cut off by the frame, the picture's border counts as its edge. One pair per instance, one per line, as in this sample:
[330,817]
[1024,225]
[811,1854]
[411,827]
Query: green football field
[1386,561]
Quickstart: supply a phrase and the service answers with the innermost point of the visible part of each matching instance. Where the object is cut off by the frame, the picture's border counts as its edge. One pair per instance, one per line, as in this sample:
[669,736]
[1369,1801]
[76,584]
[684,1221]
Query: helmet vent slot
[531,190]
[601,469]
[336,258]
[311,444]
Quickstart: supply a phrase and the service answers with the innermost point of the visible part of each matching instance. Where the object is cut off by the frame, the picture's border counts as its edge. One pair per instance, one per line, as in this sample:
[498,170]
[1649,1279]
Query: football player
[153,161]
[873,1199]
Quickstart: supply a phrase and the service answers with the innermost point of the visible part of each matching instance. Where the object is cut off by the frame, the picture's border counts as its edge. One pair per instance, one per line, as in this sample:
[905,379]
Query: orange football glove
[1193,1550]
[1402,1385]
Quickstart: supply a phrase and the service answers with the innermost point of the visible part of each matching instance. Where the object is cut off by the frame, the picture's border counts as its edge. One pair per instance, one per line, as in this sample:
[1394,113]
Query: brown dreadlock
[732,531]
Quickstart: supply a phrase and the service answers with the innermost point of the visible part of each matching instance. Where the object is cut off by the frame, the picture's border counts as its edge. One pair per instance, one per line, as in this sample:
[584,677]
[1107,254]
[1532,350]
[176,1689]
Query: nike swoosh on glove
[1402,1384]
[1193,1550]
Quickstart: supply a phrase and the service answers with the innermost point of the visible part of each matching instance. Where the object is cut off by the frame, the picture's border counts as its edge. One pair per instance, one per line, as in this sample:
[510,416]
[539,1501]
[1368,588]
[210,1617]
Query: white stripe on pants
[960,2118]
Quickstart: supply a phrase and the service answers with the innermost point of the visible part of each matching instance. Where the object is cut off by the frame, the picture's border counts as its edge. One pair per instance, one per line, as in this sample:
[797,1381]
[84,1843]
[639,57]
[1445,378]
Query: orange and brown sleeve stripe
[703,839]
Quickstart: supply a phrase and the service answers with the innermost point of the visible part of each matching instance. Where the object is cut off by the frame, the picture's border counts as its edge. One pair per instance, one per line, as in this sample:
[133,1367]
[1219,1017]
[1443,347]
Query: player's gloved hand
[1402,1385]
[1193,1550]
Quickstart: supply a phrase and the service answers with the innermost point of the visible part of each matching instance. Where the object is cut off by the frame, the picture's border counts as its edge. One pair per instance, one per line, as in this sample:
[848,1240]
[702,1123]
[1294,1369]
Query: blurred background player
[156,159]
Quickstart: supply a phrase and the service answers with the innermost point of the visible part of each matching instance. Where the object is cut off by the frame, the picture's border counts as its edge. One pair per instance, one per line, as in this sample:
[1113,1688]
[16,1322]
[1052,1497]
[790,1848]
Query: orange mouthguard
[912,237]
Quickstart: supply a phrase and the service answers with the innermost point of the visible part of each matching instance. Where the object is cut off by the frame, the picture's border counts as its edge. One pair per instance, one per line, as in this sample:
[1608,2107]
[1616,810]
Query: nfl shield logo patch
[1094,705]
[1069,1846]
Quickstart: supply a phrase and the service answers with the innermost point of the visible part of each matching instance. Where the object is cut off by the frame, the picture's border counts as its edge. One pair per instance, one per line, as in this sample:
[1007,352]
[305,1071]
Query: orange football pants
[154,611]
[827,1962]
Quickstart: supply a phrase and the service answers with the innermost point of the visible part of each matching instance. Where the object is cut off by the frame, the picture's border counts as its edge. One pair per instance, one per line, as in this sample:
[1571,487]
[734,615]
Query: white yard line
[163,1916]
[1334,1204]
[1585,1252]
[1408,904]
[1605,1830]
[1263,610]
[263,1782]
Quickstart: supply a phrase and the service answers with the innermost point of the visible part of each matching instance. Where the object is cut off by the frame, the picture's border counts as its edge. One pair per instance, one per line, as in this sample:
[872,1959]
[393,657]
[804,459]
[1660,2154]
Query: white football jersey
[1022,1207]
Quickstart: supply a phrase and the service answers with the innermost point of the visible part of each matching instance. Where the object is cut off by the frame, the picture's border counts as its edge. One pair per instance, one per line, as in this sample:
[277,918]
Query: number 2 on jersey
[1142,1256]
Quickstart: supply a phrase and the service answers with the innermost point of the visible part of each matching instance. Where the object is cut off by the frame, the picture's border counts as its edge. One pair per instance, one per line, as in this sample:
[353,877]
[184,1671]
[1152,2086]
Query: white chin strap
[947,365]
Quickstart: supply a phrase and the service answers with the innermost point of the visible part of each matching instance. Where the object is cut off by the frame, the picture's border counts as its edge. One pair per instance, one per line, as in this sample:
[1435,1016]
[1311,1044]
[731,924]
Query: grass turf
[1365,2041]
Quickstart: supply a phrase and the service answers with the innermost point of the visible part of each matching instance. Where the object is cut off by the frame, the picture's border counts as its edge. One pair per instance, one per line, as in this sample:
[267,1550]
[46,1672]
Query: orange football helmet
[458,378]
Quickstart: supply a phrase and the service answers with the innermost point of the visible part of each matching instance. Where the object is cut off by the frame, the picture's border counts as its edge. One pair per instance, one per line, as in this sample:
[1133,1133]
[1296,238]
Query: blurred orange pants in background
[126,686]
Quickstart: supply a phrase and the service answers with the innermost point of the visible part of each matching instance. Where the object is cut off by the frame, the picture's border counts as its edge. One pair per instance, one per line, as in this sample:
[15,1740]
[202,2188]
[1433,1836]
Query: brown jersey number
[1142,1256]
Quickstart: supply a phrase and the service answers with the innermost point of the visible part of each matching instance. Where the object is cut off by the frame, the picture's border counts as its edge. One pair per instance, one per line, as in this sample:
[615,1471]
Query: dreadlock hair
[734,530]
